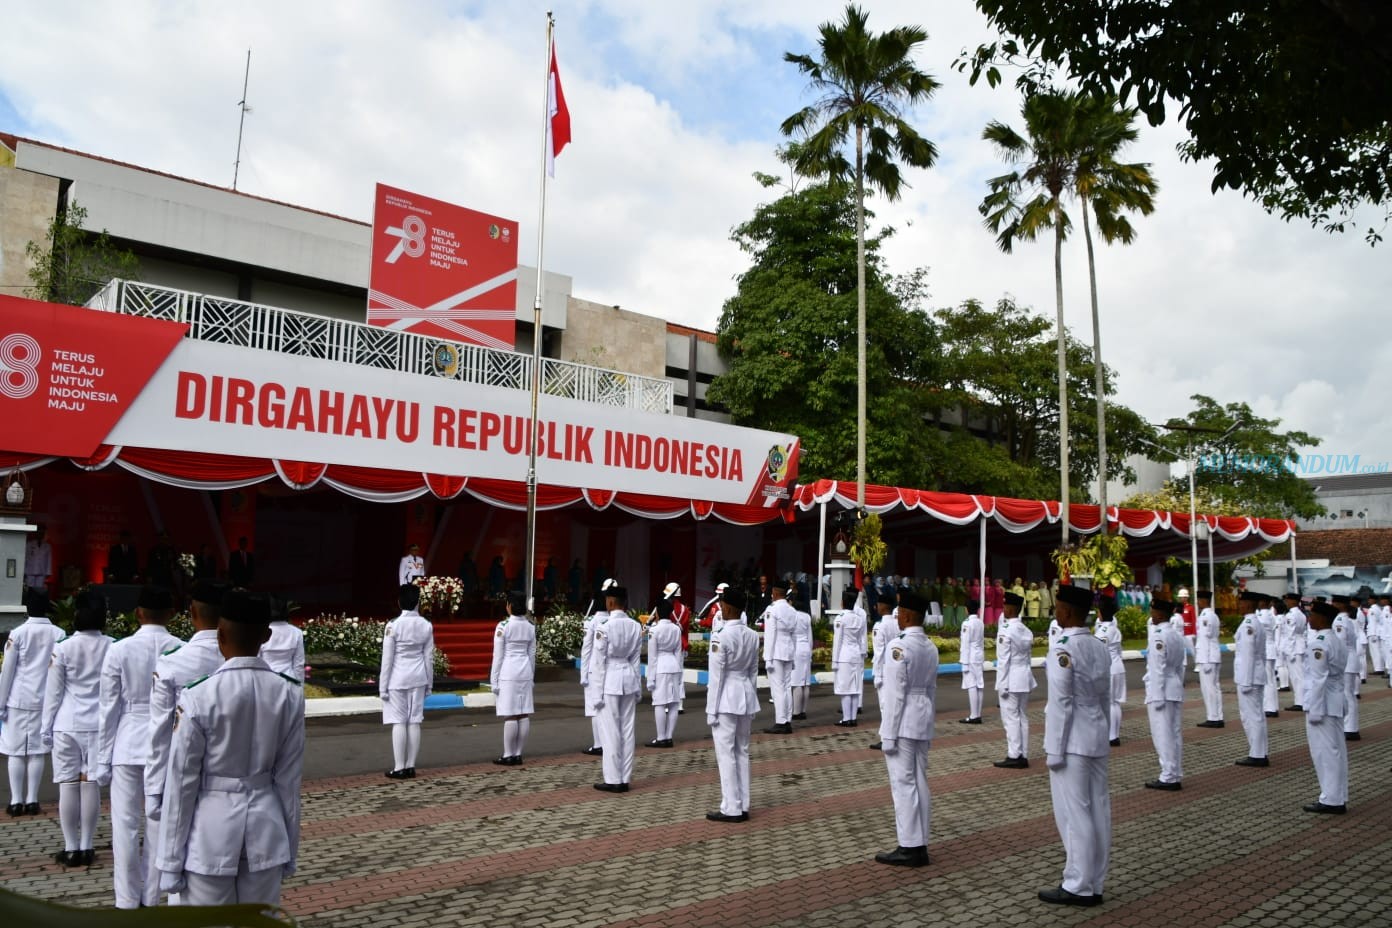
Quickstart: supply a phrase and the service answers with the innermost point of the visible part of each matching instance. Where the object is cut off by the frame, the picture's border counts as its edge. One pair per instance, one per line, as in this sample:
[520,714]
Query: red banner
[442,270]
[67,376]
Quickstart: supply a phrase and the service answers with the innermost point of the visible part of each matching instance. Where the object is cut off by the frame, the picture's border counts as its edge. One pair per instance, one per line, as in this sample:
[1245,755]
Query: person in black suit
[122,562]
[162,564]
[241,565]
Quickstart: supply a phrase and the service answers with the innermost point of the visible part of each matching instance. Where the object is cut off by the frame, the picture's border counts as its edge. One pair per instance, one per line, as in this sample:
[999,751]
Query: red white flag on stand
[558,125]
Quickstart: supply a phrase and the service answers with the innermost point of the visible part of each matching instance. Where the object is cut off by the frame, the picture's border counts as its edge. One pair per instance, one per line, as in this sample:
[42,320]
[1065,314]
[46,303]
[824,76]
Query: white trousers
[1212,692]
[1083,814]
[1329,753]
[1387,655]
[1351,688]
[1379,658]
[731,737]
[1249,709]
[908,784]
[1295,669]
[616,736]
[1015,721]
[1282,671]
[1165,720]
[134,840]
[260,886]
[780,679]
[1118,698]
[1269,698]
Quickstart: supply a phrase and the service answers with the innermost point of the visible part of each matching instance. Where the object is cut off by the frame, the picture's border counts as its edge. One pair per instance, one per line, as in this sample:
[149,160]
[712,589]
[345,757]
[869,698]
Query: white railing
[251,325]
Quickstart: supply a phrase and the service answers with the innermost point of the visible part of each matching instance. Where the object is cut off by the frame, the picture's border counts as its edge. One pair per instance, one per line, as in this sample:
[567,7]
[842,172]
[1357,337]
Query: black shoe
[1211,723]
[1297,708]
[1012,763]
[1253,762]
[800,717]
[1167,787]
[722,817]
[1352,736]
[504,761]
[67,858]
[1272,715]
[681,712]
[401,774]
[1061,896]
[1323,809]
[88,856]
[878,745]
[655,743]
[847,723]
[667,743]
[593,752]
[1115,742]
[975,721]
[860,712]
[904,857]
[1284,689]
[15,809]
[785,728]
[612,787]
[410,773]
[31,808]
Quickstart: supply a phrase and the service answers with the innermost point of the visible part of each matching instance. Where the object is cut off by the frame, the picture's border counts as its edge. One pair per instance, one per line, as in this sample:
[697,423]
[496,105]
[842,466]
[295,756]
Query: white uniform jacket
[1325,659]
[234,773]
[73,691]
[779,642]
[618,643]
[410,569]
[1164,676]
[972,645]
[28,651]
[175,669]
[1296,626]
[1110,634]
[587,649]
[1268,620]
[128,675]
[848,638]
[886,630]
[1013,644]
[1206,646]
[734,664]
[1347,628]
[1249,660]
[802,649]
[1077,714]
[664,649]
[284,653]
[910,688]
[514,652]
[408,653]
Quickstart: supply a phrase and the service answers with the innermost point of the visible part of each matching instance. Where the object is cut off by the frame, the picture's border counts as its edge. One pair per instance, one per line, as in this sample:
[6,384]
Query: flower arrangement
[188,562]
[357,640]
[1102,557]
[560,636]
[867,547]
[440,595]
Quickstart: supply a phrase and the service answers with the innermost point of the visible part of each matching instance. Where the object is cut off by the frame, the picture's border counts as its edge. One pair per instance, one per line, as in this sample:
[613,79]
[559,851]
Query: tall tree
[1287,98]
[787,337]
[863,82]
[74,263]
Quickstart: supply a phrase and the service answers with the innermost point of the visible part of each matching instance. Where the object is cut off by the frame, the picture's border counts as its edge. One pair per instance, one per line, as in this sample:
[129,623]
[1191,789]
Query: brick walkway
[480,845]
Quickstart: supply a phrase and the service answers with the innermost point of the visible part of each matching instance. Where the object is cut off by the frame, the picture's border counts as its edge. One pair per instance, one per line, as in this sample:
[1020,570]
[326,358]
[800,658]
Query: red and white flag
[558,123]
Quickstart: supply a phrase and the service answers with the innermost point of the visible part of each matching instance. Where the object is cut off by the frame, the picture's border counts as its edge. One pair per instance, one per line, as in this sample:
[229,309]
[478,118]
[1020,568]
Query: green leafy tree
[788,339]
[863,81]
[1069,149]
[74,263]
[1288,99]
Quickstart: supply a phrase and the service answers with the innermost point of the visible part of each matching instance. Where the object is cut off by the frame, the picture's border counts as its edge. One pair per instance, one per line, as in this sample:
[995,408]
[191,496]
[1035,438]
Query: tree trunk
[1062,373]
[1097,373]
[860,318]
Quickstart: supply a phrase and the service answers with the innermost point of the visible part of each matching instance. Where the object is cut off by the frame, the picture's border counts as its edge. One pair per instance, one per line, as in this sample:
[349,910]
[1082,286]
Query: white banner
[222,399]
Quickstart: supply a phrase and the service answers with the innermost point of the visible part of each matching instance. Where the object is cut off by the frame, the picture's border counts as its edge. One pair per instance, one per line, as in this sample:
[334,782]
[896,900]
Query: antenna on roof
[241,121]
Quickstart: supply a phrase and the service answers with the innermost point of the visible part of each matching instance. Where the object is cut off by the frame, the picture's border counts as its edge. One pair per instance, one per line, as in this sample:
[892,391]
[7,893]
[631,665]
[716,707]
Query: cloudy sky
[674,106]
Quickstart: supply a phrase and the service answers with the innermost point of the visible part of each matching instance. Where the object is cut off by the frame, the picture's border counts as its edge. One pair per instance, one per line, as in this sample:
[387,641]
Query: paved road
[473,844]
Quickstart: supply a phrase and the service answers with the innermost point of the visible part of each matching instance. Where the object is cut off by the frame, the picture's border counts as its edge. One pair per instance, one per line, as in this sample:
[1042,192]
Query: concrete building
[1352,501]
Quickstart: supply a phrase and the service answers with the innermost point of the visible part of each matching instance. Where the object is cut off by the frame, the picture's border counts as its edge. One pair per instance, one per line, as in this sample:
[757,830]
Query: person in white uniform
[1293,640]
[284,652]
[848,657]
[779,645]
[1249,645]
[972,654]
[906,731]
[1076,751]
[412,566]
[664,673]
[1385,606]
[1375,626]
[511,678]
[23,680]
[618,645]
[1323,698]
[230,825]
[682,618]
[1164,695]
[1208,655]
[1014,681]
[731,704]
[1108,632]
[597,614]
[802,660]
[406,678]
[1347,629]
[886,630]
[1359,614]
[1268,620]
[38,561]
[70,722]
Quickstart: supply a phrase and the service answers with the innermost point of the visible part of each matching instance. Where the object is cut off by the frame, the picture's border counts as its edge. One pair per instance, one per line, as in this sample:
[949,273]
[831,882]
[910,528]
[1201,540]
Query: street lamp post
[1191,463]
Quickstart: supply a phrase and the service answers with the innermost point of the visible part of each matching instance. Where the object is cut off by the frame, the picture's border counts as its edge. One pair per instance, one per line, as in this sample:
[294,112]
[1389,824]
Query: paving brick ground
[482,845]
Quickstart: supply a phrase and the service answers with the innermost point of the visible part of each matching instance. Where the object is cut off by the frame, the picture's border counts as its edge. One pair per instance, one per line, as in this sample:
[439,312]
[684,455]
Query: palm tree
[1069,150]
[863,81]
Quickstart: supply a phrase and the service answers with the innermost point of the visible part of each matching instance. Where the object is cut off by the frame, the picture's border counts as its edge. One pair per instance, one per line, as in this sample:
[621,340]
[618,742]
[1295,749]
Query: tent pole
[821,558]
[1295,577]
[981,605]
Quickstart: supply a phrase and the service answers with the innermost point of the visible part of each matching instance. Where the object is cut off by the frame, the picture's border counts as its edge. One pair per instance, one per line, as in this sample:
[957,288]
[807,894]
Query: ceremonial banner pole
[548,101]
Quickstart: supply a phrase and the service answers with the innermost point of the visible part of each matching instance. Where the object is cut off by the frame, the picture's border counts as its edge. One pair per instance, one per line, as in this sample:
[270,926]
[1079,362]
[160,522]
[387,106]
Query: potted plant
[1101,559]
[868,550]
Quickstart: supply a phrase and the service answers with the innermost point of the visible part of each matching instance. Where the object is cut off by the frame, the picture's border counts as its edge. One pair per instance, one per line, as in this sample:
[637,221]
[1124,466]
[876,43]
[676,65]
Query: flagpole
[536,324]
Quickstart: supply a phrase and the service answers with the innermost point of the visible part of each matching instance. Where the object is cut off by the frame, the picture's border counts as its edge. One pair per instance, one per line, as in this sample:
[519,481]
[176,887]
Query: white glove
[386,697]
[1055,761]
[172,882]
[889,746]
[713,720]
[103,775]
[152,806]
